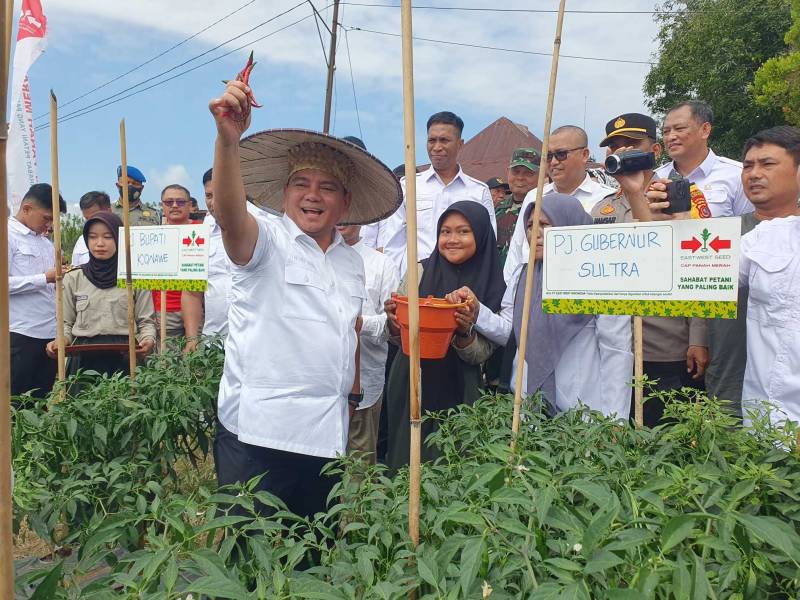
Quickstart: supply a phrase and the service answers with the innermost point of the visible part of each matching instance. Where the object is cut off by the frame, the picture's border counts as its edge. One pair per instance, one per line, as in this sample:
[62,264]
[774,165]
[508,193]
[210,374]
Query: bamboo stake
[57,241]
[523,337]
[163,321]
[638,371]
[6,530]
[126,221]
[414,475]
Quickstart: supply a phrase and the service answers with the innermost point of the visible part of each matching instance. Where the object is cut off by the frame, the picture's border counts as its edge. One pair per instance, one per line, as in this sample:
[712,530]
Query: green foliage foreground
[588,508]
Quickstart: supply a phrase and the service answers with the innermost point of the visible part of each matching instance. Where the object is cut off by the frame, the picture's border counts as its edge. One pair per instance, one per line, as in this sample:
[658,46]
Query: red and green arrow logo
[717,244]
[194,239]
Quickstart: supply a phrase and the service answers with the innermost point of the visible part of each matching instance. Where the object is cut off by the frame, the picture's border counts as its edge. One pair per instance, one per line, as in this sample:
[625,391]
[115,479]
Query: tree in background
[777,82]
[710,50]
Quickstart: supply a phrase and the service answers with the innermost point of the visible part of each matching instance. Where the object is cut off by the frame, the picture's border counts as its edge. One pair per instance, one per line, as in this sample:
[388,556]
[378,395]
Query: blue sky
[170,132]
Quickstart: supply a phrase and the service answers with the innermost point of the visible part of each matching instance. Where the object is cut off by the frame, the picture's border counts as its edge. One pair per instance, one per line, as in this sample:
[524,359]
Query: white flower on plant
[577,547]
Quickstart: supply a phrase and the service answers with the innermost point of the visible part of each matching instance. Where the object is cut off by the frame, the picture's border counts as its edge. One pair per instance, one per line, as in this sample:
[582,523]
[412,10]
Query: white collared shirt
[720,180]
[770,266]
[80,253]
[588,193]
[595,368]
[32,301]
[218,294]
[370,234]
[290,350]
[382,279]
[433,199]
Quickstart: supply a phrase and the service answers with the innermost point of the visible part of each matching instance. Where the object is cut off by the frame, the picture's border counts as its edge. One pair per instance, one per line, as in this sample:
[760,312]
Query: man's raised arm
[239,229]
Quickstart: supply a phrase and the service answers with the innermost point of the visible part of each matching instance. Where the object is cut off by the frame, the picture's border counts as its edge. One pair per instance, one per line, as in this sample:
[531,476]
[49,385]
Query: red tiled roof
[488,153]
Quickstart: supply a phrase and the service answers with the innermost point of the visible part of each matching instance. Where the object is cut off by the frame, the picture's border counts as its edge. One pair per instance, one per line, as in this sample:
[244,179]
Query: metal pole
[523,337]
[331,68]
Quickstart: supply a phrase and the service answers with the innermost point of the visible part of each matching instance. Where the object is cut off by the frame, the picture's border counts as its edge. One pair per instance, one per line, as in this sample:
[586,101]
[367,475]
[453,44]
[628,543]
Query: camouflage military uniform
[139,215]
[506,213]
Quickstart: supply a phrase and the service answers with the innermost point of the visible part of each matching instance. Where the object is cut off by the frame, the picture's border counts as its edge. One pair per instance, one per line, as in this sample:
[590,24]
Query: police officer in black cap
[675,348]
[631,131]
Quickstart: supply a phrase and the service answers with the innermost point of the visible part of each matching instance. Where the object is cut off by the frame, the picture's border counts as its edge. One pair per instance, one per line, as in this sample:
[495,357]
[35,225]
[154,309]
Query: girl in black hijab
[96,310]
[464,266]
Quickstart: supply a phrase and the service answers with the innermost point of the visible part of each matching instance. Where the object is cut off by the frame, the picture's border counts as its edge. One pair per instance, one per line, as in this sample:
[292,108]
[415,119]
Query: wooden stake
[57,240]
[6,530]
[126,221]
[638,371]
[523,337]
[163,321]
[414,476]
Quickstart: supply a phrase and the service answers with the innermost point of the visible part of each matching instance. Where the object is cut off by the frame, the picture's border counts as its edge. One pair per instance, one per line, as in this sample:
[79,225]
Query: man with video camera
[675,348]
[686,130]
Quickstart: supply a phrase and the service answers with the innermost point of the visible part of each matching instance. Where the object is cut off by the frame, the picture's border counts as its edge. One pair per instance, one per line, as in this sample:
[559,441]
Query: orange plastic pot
[437,324]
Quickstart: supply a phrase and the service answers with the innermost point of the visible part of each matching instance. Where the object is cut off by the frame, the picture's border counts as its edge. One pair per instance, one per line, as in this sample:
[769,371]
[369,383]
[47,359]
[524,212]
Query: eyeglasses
[180,203]
[561,155]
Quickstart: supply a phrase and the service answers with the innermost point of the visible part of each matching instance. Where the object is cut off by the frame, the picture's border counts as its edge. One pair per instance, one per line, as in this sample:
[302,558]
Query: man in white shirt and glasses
[437,188]
[290,381]
[32,294]
[686,130]
[566,166]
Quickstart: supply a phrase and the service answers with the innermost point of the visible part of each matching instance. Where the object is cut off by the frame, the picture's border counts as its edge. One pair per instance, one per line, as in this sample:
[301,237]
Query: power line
[521,10]
[184,63]
[498,49]
[87,111]
[156,57]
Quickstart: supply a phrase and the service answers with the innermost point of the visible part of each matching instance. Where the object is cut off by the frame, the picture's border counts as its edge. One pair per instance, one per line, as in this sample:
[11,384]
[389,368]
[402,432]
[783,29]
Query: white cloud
[479,84]
[158,179]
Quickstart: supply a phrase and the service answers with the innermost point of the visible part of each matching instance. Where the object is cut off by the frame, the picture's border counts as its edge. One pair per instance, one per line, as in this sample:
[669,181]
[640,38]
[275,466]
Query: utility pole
[331,68]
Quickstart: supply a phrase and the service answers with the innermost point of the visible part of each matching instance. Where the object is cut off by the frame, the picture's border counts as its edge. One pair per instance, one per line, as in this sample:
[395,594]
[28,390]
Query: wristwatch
[468,333]
[355,399]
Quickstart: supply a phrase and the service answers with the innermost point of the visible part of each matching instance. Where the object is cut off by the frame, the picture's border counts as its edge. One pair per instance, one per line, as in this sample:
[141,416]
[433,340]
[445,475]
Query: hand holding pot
[390,307]
[465,315]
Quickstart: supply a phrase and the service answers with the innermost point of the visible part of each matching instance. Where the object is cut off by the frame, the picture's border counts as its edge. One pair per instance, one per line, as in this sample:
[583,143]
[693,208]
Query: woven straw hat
[375,190]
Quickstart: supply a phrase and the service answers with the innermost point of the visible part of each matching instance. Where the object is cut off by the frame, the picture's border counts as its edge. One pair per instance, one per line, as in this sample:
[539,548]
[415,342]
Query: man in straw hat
[290,366]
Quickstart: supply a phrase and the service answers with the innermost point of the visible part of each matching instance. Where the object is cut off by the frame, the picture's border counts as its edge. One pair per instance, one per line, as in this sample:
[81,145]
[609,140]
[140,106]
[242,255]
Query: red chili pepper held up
[244,77]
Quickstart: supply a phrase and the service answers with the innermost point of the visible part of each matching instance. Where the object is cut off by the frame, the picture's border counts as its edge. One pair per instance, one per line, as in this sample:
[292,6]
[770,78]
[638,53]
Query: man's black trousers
[294,478]
[31,368]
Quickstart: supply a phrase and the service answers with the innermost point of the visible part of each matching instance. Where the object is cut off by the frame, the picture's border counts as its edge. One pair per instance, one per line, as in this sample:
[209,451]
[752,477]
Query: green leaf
[471,555]
[681,579]
[600,561]
[100,433]
[700,584]
[217,586]
[596,530]
[365,568]
[675,531]
[46,590]
[774,532]
[427,570]
[624,594]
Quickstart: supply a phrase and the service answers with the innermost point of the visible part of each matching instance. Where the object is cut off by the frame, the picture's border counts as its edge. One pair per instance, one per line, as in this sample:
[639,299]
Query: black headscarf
[482,273]
[102,273]
[443,380]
